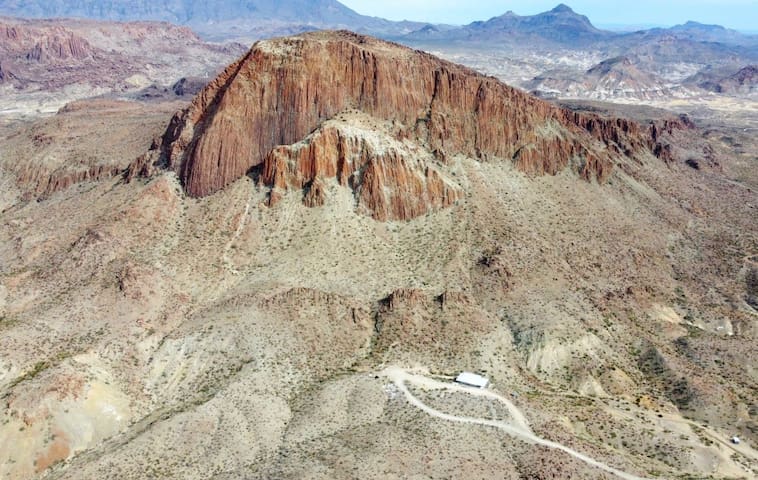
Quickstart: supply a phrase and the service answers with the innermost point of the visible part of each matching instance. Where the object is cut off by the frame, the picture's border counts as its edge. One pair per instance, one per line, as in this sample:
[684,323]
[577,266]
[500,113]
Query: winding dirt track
[518,427]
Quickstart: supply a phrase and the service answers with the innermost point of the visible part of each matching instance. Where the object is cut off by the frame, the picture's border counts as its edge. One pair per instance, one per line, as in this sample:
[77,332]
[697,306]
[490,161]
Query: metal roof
[472,380]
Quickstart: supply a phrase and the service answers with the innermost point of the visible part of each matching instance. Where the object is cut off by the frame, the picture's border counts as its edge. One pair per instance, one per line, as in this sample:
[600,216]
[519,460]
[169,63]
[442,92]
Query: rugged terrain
[56,152]
[45,64]
[245,300]
[555,52]
[742,82]
[560,53]
[616,79]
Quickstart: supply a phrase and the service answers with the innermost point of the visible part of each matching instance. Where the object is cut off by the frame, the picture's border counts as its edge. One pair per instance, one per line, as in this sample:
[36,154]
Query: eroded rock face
[60,47]
[62,60]
[43,183]
[39,45]
[284,89]
[86,141]
[390,179]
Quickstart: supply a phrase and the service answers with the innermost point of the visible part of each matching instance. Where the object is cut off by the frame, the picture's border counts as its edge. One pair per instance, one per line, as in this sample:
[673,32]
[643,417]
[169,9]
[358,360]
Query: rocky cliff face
[283,90]
[390,179]
[60,47]
[49,43]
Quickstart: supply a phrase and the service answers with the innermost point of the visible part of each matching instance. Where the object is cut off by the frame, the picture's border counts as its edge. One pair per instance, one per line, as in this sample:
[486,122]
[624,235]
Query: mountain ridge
[333,206]
[441,107]
[179,11]
[560,25]
[218,19]
[47,63]
[245,17]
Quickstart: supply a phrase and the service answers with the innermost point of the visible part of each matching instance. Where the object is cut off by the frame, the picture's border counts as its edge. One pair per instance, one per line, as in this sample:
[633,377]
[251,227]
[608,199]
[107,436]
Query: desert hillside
[279,280]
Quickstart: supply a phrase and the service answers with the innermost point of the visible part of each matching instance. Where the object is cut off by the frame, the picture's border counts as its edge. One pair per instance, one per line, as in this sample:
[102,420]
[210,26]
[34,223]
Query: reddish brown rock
[327,153]
[668,126]
[41,183]
[47,44]
[52,55]
[60,47]
[284,89]
[389,181]
[316,193]
[393,190]
[661,134]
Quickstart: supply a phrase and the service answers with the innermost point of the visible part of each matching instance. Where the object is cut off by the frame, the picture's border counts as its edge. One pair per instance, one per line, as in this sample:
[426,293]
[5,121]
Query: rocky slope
[66,149]
[147,333]
[285,89]
[742,82]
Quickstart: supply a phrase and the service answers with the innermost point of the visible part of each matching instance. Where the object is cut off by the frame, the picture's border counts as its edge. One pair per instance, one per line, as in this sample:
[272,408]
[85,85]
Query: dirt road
[518,427]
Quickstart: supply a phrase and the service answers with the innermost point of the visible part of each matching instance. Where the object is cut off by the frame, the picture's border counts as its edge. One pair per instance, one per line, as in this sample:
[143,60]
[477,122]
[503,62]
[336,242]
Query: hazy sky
[740,14]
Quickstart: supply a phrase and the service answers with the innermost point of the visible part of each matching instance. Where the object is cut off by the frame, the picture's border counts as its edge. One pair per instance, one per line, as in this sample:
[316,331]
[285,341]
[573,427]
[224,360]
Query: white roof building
[472,380]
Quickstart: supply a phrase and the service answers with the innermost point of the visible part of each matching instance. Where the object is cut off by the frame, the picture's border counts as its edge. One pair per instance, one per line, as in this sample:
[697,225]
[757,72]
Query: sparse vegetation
[249,340]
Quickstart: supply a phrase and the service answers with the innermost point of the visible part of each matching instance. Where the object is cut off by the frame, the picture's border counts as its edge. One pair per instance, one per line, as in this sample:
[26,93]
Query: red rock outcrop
[657,129]
[47,44]
[60,47]
[390,181]
[284,89]
[41,183]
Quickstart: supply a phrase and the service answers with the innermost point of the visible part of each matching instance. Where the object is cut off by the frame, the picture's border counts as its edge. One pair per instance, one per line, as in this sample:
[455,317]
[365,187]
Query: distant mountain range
[644,64]
[44,64]
[559,25]
[184,11]
[562,26]
[217,18]
[549,53]
[228,19]
[742,82]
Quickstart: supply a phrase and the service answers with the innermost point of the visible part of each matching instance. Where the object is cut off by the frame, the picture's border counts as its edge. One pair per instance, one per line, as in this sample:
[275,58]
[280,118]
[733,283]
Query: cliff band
[284,90]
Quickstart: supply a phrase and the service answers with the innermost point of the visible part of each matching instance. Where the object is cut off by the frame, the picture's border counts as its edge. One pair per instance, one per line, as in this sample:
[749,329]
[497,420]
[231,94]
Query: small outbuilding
[472,380]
